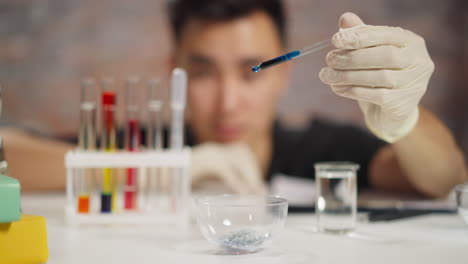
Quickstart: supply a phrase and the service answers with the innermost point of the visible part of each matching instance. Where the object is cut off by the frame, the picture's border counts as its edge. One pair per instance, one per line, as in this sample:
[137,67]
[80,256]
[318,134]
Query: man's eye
[201,72]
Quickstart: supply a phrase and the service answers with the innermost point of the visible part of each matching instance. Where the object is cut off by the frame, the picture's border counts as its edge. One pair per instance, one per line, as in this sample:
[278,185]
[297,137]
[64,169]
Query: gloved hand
[386,69]
[232,164]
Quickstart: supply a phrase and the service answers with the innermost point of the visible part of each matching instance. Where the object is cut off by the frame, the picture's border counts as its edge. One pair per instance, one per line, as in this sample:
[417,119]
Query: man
[386,70]
[231,111]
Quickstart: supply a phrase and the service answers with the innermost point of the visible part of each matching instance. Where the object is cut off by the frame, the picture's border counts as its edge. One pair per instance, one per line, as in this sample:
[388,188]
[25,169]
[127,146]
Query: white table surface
[436,238]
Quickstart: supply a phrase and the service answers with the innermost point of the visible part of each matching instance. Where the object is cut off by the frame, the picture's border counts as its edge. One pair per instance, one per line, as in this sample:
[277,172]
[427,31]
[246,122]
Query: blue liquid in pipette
[277,60]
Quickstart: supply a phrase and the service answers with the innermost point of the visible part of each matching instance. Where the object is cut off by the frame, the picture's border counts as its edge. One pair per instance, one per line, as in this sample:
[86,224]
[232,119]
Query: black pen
[395,214]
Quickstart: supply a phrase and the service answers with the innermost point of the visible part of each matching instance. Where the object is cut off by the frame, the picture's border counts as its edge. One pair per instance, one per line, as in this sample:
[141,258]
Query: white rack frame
[146,159]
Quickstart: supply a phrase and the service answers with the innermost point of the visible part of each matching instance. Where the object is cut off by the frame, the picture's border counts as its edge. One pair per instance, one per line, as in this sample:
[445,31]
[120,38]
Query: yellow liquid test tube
[109,180]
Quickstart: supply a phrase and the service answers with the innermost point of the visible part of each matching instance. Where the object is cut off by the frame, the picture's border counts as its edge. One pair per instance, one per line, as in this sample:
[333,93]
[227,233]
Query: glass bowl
[241,224]
[461,194]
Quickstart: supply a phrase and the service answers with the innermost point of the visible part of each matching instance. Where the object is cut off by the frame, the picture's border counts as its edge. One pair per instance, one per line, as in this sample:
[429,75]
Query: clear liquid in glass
[336,201]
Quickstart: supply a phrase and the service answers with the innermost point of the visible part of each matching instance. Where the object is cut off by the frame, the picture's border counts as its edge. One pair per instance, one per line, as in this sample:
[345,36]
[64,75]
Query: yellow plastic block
[24,241]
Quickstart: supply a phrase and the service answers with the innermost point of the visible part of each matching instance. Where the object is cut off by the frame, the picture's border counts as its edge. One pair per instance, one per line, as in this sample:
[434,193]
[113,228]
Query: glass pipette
[317,46]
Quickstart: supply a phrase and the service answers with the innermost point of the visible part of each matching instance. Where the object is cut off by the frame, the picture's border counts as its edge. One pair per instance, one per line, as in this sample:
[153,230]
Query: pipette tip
[256,68]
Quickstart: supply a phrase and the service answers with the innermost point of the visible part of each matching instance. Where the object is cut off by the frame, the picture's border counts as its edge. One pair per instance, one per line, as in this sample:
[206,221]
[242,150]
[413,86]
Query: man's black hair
[183,11]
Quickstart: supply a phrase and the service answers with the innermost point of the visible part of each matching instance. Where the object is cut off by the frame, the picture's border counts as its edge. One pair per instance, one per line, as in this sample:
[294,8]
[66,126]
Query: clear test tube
[3,162]
[1,99]
[86,142]
[108,144]
[132,141]
[154,141]
[154,137]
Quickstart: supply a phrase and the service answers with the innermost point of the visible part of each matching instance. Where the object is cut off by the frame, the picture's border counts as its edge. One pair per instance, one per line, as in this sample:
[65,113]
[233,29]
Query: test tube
[154,141]
[155,110]
[86,141]
[178,101]
[1,99]
[108,144]
[3,162]
[132,140]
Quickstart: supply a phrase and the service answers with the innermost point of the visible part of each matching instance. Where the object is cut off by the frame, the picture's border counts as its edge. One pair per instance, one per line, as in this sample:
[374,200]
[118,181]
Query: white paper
[298,191]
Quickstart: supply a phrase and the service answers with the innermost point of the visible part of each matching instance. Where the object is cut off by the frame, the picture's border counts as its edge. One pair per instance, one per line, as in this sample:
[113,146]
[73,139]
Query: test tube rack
[171,209]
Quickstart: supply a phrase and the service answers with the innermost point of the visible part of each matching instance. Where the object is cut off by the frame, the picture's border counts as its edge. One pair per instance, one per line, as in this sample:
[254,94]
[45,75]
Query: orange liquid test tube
[86,142]
[83,204]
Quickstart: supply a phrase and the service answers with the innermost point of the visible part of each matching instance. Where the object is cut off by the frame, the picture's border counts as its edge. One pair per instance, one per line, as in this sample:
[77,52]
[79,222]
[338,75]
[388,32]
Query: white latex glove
[386,69]
[232,164]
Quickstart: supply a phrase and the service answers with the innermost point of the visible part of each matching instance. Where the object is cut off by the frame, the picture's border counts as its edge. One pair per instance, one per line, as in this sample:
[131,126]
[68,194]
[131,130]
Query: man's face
[227,102]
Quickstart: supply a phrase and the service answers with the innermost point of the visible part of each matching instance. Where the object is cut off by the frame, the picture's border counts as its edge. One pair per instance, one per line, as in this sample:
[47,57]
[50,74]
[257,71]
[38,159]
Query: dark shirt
[295,152]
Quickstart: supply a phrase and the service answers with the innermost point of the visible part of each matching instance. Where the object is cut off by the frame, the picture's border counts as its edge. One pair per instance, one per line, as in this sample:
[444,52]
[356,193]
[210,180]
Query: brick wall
[47,45]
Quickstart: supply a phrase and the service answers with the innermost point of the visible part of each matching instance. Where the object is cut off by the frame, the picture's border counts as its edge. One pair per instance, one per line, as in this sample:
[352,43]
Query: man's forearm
[429,157]
[38,163]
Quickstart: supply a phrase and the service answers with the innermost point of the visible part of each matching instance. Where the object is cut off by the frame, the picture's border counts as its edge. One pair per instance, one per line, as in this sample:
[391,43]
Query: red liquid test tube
[132,142]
